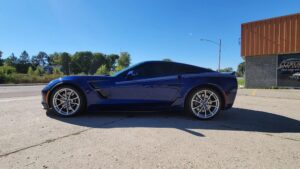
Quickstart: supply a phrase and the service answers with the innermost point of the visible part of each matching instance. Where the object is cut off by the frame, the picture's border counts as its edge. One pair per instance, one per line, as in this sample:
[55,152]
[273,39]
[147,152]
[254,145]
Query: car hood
[79,79]
[84,78]
[75,80]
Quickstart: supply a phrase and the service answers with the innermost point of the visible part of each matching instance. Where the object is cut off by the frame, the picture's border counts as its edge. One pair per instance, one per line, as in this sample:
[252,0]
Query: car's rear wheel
[204,103]
[67,101]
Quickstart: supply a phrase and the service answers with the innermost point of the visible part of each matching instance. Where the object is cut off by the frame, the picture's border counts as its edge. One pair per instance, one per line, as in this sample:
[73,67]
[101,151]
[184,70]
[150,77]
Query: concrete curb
[23,84]
[293,94]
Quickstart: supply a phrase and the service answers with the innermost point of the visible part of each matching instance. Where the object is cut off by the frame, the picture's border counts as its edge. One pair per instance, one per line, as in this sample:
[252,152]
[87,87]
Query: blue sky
[147,29]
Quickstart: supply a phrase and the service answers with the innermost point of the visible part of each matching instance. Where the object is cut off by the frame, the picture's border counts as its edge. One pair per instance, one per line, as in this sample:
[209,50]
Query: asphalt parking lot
[262,130]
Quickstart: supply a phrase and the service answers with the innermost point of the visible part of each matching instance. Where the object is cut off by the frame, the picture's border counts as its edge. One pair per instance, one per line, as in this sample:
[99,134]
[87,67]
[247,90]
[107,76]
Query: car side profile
[147,86]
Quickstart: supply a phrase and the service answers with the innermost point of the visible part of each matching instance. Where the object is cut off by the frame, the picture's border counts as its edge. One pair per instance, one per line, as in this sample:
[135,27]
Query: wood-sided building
[271,49]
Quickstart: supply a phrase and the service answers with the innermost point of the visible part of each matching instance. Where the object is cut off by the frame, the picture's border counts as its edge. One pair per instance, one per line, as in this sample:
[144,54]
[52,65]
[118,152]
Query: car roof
[172,62]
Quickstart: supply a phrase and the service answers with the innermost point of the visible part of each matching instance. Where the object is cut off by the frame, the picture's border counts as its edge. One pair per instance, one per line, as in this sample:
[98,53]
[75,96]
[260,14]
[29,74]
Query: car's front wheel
[204,103]
[67,101]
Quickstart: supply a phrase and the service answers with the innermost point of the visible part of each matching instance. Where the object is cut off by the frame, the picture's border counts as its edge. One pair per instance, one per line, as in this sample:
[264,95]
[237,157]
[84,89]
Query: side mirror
[131,74]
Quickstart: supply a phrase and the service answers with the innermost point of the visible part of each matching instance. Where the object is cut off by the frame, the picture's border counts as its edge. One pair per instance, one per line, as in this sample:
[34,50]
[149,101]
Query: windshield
[124,70]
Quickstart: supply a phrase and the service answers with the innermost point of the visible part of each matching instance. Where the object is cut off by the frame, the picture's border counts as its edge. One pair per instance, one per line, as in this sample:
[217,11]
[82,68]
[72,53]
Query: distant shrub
[102,70]
[119,68]
[82,74]
[241,81]
[30,71]
[38,71]
[57,72]
[25,78]
[7,70]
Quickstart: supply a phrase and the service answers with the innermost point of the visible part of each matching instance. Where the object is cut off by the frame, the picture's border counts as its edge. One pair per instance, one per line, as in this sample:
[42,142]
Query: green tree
[227,69]
[102,70]
[61,59]
[111,61]
[98,60]
[167,60]
[7,70]
[11,60]
[30,71]
[23,62]
[38,71]
[24,57]
[1,60]
[34,61]
[42,59]
[81,62]
[65,59]
[55,59]
[57,72]
[124,59]
[241,69]
[118,68]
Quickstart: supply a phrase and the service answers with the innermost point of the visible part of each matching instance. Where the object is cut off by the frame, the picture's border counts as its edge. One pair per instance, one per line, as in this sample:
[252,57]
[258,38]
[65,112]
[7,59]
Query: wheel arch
[65,84]
[210,86]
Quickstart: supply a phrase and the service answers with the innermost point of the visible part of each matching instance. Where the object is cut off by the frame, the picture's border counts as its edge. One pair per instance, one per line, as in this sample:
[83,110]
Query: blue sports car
[147,86]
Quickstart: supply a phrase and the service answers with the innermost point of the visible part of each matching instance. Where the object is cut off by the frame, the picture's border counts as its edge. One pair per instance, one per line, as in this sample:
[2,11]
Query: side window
[188,69]
[167,69]
[158,69]
[155,69]
[163,69]
[144,70]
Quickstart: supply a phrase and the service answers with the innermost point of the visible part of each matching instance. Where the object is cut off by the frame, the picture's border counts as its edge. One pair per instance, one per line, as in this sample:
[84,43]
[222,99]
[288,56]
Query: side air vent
[92,85]
[101,93]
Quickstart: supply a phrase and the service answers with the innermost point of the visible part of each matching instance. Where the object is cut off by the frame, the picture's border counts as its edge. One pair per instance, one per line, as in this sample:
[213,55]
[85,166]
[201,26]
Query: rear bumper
[230,97]
[228,106]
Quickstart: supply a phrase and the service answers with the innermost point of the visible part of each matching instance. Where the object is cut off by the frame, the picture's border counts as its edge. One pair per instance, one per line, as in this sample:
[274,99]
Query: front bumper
[45,105]
[46,91]
[45,100]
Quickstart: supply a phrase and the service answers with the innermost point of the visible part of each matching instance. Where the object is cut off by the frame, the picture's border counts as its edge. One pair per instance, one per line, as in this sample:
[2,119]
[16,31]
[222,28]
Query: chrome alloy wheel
[66,101]
[205,104]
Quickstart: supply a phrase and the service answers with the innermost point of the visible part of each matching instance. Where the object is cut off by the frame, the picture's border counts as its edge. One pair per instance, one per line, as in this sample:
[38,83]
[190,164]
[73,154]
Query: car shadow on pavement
[235,119]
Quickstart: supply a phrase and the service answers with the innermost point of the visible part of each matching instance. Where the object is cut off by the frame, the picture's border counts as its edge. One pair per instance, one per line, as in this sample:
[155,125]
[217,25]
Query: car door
[150,88]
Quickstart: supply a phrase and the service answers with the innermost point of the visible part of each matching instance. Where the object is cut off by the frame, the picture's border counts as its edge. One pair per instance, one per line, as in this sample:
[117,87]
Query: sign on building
[288,70]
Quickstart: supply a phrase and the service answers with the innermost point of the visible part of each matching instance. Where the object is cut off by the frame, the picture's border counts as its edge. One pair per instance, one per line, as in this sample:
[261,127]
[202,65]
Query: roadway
[262,130]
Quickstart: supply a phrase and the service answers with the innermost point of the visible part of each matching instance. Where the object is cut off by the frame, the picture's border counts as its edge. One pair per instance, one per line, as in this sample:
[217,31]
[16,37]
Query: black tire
[81,103]
[207,108]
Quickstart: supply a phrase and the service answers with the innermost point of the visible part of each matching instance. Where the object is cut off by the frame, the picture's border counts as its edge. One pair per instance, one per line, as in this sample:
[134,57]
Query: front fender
[48,89]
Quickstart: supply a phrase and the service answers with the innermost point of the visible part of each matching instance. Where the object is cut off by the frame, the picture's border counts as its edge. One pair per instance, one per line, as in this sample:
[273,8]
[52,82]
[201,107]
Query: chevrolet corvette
[147,86]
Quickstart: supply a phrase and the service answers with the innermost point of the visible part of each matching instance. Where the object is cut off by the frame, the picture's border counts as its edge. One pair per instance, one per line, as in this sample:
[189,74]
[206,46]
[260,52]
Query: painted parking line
[19,99]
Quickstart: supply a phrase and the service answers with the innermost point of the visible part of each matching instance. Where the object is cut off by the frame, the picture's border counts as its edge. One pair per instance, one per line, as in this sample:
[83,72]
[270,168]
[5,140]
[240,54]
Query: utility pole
[220,48]
[219,44]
